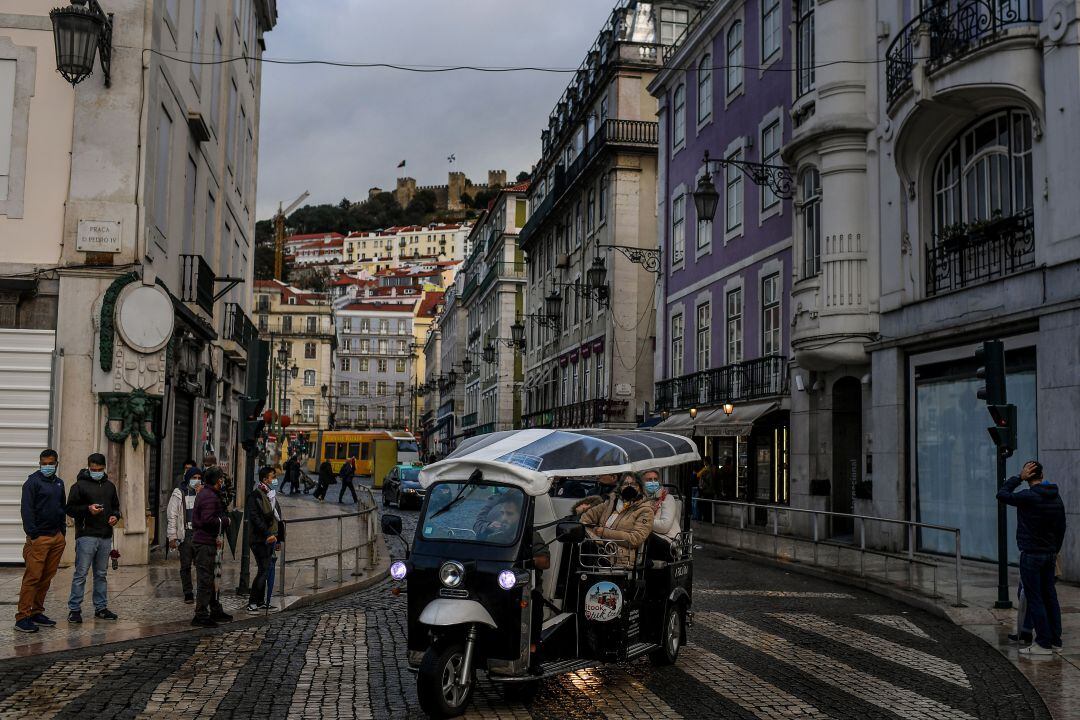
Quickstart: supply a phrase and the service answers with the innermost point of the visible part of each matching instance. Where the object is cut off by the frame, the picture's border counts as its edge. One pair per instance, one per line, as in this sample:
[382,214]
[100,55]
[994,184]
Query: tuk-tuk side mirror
[391,525]
[570,532]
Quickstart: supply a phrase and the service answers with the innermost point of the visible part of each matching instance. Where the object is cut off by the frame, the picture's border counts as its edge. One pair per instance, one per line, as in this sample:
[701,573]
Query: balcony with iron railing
[297,329]
[238,328]
[590,413]
[974,253]
[749,380]
[503,271]
[197,282]
[954,29]
[612,134]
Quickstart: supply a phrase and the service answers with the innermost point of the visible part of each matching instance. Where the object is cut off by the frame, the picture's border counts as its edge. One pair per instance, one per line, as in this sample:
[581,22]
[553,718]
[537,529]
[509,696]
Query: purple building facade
[723,308]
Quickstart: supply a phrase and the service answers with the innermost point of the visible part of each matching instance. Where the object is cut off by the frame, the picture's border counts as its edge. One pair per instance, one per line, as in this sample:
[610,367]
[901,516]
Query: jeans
[1037,575]
[694,512]
[90,551]
[262,552]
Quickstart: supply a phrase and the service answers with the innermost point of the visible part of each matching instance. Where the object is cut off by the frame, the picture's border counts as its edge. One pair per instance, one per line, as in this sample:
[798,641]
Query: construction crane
[279,234]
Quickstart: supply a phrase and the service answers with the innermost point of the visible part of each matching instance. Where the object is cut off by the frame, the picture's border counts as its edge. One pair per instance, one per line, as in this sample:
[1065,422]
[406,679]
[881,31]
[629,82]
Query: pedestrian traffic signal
[992,371]
[1003,433]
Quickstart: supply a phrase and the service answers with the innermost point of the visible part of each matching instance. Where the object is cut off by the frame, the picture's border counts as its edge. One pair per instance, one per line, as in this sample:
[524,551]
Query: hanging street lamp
[80,31]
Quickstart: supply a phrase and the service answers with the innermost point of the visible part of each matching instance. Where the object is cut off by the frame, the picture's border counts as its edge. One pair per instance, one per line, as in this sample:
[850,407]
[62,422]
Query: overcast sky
[337,131]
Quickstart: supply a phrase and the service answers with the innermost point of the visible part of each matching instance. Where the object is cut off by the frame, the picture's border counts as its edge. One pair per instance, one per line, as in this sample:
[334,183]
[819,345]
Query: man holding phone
[95,507]
[1040,532]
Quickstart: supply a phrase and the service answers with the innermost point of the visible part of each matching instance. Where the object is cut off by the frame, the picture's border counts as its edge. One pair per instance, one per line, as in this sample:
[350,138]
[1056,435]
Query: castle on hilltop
[447,197]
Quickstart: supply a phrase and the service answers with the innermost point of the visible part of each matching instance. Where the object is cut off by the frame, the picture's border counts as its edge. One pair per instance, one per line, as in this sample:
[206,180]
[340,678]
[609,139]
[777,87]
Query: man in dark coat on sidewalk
[1040,532]
[292,475]
[44,523]
[209,520]
[262,536]
[326,479]
[348,471]
[95,507]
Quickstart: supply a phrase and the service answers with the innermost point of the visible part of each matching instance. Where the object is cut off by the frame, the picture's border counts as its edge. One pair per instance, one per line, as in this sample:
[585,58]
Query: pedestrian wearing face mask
[43,522]
[625,517]
[179,529]
[665,509]
[262,536]
[95,507]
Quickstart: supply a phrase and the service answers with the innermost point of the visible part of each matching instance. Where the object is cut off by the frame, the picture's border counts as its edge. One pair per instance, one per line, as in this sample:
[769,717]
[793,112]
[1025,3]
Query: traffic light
[252,424]
[1003,433]
[992,371]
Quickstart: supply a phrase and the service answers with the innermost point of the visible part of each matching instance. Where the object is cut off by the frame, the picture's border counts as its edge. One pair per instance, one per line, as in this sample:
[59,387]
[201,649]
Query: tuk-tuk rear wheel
[436,688]
[670,638]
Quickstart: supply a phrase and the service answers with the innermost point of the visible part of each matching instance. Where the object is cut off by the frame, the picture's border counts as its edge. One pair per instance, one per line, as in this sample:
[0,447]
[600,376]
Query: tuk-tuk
[503,578]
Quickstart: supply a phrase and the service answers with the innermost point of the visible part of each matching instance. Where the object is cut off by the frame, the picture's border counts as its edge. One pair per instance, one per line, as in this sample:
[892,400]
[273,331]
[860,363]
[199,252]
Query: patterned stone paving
[765,644]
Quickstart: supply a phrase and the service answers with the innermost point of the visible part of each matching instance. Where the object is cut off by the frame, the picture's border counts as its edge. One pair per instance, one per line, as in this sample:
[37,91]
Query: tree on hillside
[315,280]
[523,176]
[480,202]
[264,232]
[421,206]
[264,263]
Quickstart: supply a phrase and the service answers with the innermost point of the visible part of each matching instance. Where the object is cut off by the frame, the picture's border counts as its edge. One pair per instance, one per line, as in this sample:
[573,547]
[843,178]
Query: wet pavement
[765,644]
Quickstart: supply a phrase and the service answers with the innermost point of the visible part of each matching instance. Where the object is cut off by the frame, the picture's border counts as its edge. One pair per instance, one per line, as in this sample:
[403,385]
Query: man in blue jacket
[43,521]
[1040,532]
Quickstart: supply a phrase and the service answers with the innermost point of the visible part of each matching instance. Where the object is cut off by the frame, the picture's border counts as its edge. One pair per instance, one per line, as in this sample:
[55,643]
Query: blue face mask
[192,483]
[274,484]
[652,487]
[97,474]
[48,470]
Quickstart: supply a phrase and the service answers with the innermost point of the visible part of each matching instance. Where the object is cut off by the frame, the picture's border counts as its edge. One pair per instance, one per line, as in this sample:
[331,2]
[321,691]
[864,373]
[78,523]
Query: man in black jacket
[326,479]
[348,472]
[1040,532]
[292,474]
[43,522]
[95,507]
[262,536]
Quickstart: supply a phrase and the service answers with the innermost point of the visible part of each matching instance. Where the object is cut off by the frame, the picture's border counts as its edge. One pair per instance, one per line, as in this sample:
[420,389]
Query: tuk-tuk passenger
[665,510]
[626,517]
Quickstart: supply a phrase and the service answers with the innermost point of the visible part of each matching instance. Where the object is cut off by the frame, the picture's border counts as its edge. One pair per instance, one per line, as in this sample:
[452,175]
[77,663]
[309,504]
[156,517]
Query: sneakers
[253,608]
[105,614]
[43,619]
[1056,647]
[1035,649]
[26,625]
[74,616]
[189,599]
[203,622]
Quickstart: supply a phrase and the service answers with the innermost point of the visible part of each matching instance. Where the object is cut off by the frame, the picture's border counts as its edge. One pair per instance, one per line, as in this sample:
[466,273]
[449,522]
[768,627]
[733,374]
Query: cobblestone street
[765,644]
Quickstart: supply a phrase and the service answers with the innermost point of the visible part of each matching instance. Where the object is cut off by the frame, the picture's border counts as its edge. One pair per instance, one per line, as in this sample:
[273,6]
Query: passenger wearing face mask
[95,507]
[262,536]
[179,529]
[626,517]
[665,509]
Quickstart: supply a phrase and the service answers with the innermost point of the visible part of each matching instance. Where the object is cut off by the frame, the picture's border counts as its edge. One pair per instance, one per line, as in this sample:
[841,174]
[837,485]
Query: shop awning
[739,423]
[679,424]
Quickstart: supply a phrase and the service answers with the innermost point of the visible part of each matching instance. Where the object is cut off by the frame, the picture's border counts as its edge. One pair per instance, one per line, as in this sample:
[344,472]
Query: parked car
[401,487]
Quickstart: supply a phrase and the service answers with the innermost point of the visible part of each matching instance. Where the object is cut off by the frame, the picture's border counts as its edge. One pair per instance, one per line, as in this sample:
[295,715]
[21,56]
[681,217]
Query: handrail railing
[911,527]
[365,549]
[980,252]
[748,380]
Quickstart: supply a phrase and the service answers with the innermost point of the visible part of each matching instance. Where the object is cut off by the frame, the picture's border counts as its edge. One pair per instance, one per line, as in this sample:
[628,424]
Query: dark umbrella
[232,532]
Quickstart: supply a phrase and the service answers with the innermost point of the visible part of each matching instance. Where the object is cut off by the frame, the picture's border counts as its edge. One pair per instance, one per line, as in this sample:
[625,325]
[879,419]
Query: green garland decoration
[108,318]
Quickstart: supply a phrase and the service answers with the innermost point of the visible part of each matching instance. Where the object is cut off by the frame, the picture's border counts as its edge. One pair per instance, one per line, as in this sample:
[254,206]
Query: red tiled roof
[313,236]
[335,243]
[430,301]
[377,307]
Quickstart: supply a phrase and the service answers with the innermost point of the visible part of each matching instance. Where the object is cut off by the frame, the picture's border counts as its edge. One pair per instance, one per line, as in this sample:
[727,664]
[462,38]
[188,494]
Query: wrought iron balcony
[238,327]
[955,28]
[589,413]
[749,380]
[197,282]
[971,254]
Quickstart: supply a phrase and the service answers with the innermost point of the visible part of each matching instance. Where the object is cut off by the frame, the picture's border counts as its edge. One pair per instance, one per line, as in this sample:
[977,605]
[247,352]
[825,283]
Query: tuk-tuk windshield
[484,513]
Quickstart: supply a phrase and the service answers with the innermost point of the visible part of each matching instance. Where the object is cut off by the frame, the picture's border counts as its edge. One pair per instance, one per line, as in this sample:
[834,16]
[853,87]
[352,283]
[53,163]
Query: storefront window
[955,464]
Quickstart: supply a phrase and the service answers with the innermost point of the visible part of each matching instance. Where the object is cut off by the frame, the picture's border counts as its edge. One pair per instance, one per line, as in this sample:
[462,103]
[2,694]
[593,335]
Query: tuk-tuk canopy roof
[530,459]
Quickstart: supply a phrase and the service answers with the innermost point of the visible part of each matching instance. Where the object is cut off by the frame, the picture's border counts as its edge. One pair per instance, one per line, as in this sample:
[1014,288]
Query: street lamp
[706,198]
[777,178]
[728,408]
[79,32]
[553,304]
[466,365]
[517,332]
[597,274]
[489,353]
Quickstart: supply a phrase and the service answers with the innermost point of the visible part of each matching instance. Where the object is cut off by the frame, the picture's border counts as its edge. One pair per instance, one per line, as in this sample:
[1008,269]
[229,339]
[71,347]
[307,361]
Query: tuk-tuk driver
[500,521]
[626,517]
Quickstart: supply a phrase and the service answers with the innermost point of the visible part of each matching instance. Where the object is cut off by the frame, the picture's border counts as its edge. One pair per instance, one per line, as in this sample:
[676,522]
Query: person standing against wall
[43,520]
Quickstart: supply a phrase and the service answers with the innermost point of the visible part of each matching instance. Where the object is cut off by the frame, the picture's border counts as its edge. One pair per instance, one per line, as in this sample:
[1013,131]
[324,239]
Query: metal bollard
[862,547]
[281,578]
[814,516]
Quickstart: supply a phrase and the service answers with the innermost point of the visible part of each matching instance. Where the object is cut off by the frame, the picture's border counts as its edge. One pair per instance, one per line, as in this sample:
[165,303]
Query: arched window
[679,117]
[985,173]
[704,89]
[810,189]
[734,57]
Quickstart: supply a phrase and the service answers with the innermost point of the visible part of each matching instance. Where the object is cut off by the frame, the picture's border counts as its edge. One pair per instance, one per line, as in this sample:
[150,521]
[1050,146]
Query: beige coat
[631,527]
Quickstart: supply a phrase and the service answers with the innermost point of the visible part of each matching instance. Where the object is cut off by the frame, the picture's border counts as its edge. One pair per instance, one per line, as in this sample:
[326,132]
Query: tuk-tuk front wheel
[670,638]
[437,685]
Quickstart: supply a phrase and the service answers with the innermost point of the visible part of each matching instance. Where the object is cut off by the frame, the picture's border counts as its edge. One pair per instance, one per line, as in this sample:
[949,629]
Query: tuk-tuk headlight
[399,570]
[510,579]
[452,574]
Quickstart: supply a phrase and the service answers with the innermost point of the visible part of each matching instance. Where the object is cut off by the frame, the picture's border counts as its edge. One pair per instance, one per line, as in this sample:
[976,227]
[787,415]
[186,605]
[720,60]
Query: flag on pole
[401,164]
[451,159]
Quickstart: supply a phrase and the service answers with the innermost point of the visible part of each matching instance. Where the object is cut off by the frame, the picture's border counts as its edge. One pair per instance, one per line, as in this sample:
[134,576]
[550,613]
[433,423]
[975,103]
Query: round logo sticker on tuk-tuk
[603,602]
